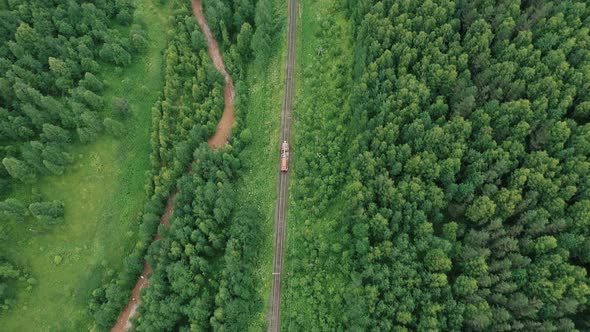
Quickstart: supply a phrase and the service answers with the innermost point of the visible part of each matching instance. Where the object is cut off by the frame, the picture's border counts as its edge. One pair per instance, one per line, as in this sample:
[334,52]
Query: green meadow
[103,193]
[258,183]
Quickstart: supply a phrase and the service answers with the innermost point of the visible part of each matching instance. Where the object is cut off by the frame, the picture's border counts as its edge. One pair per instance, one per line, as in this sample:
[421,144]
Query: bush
[121,107]
[113,127]
[13,209]
[47,211]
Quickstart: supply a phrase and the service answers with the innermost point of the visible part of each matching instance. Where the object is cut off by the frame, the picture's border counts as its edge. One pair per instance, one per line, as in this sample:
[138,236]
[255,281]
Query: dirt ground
[227,119]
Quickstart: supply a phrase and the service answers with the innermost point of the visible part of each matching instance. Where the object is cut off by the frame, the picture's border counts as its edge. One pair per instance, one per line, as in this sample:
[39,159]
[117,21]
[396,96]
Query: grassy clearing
[103,194]
[311,292]
[257,187]
[258,184]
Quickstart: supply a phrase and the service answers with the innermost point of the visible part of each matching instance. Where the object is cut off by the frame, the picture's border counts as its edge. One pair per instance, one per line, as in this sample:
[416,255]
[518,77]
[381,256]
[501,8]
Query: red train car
[285,157]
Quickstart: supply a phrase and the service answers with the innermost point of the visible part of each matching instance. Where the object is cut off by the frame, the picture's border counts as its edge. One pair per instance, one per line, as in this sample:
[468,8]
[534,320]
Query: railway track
[274,315]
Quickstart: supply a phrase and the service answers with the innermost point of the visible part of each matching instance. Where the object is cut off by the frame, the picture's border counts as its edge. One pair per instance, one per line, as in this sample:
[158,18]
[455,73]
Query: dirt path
[227,119]
[280,231]
[218,140]
[123,322]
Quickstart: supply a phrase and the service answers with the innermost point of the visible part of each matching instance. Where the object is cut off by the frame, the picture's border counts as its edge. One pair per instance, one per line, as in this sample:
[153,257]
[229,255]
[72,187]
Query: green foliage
[19,170]
[437,260]
[266,29]
[13,209]
[202,230]
[121,107]
[49,58]
[246,136]
[257,94]
[482,208]
[115,53]
[468,170]
[183,118]
[92,83]
[47,212]
[137,38]
[183,269]
[114,127]
[8,274]
[465,286]
[244,40]
[236,299]
[318,267]
[56,134]
[103,195]
[57,260]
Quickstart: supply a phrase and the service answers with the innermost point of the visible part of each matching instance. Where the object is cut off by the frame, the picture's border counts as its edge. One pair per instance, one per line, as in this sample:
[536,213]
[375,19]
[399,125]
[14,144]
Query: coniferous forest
[439,171]
[50,94]
[466,197]
[478,163]
[51,98]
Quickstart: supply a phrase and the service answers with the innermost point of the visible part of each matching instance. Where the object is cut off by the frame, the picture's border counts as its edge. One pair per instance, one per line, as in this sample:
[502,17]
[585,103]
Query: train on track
[284,156]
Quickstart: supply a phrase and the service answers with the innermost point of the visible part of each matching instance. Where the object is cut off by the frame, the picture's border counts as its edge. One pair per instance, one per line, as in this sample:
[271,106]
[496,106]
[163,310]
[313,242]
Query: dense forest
[468,199]
[52,56]
[441,173]
[202,263]
[316,255]
[51,53]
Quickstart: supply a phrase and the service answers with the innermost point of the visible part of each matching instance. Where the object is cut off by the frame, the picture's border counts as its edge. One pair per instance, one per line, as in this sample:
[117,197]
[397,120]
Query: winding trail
[227,119]
[124,320]
[218,140]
